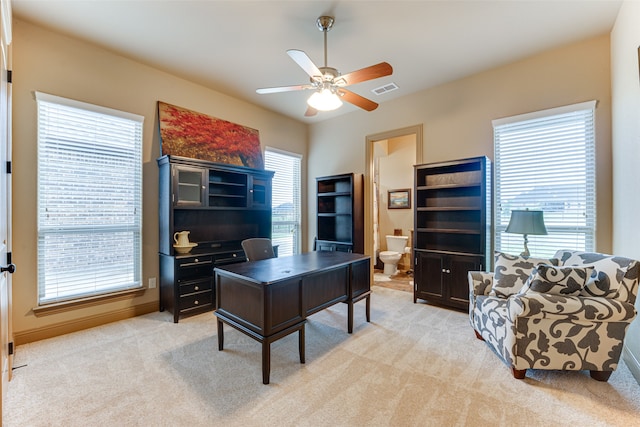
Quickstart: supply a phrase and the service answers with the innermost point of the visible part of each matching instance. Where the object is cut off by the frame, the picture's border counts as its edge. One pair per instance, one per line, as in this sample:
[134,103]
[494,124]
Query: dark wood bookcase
[452,225]
[220,205]
[340,213]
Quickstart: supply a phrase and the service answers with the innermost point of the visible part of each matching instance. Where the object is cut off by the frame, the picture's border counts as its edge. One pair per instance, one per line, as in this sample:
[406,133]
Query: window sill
[65,306]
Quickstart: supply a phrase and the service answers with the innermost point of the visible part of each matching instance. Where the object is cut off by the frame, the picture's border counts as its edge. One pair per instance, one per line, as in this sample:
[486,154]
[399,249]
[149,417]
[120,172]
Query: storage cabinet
[220,205]
[452,224]
[340,213]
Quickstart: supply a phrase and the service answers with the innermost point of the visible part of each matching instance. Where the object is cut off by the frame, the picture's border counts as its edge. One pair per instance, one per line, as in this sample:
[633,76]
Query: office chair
[258,248]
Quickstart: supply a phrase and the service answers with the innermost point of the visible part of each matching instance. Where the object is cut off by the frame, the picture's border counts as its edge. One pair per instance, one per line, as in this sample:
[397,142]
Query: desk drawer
[229,258]
[191,287]
[193,268]
[195,300]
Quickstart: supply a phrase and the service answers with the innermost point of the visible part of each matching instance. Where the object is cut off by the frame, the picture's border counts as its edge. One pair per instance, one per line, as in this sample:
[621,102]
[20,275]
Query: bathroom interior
[393,225]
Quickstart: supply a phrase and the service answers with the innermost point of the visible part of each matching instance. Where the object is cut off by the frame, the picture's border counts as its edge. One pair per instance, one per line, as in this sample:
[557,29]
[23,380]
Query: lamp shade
[324,100]
[526,222]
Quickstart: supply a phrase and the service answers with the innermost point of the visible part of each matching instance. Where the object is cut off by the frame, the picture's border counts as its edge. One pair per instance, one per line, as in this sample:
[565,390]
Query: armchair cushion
[615,277]
[553,280]
[512,271]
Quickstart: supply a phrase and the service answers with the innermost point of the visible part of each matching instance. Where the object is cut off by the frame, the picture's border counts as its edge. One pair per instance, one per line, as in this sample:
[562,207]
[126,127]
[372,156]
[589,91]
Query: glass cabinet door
[189,189]
[260,193]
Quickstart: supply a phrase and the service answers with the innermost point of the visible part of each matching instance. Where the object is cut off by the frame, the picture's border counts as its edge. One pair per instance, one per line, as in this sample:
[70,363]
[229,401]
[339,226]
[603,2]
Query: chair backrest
[258,248]
[614,277]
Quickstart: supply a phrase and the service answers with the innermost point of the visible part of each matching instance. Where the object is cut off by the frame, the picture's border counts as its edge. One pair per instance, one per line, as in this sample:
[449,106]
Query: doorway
[389,166]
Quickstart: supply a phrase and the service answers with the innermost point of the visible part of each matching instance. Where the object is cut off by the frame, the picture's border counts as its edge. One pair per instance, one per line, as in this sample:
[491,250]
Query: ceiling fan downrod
[325,23]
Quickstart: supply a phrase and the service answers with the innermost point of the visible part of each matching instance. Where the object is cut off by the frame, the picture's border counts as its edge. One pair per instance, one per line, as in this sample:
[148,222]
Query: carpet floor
[413,365]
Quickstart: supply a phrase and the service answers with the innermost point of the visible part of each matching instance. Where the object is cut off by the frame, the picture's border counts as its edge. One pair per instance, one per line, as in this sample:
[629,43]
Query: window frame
[564,124]
[297,202]
[55,133]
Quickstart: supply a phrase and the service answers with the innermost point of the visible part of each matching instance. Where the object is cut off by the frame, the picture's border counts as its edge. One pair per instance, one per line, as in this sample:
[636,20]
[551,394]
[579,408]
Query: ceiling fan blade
[357,100]
[369,73]
[310,112]
[284,88]
[304,62]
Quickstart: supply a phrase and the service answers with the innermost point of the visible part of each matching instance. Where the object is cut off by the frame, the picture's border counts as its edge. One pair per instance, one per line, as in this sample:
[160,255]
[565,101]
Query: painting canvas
[190,134]
[399,199]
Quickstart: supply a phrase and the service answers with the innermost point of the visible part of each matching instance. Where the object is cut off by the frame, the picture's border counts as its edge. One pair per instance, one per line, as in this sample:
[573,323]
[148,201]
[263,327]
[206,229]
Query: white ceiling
[238,46]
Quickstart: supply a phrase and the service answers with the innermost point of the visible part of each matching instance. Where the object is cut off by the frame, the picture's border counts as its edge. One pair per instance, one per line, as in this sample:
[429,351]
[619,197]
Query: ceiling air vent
[384,89]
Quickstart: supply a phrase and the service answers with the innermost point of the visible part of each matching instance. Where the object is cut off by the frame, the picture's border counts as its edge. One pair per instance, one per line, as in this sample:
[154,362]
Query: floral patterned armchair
[567,313]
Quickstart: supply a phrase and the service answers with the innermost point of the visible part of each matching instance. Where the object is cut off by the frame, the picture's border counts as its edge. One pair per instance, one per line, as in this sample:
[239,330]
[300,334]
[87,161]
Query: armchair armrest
[480,282]
[575,308]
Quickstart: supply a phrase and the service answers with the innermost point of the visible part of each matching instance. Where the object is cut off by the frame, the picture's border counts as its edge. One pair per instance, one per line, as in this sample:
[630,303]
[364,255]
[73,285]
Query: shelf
[447,186]
[449,209]
[229,184]
[230,196]
[335,194]
[443,252]
[447,230]
[333,214]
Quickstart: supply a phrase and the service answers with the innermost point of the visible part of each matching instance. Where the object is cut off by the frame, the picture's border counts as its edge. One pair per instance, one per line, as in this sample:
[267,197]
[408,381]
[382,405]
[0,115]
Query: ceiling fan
[328,83]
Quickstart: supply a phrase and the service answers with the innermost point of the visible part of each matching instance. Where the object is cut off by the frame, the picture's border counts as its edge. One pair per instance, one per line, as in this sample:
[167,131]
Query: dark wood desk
[271,298]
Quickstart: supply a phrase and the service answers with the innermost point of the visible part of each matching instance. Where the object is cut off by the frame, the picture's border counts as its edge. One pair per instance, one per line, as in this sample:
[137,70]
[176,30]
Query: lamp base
[525,253]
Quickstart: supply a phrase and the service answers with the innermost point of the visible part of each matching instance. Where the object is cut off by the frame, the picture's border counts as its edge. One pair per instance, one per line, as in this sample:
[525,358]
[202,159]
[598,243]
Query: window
[89,200]
[285,199]
[546,161]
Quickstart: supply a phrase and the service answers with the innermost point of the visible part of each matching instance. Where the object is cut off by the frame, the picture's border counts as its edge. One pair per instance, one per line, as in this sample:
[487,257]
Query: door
[5,200]
[457,281]
[429,270]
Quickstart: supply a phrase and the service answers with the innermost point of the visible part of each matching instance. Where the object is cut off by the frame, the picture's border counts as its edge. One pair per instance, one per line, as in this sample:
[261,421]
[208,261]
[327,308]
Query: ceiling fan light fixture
[324,100]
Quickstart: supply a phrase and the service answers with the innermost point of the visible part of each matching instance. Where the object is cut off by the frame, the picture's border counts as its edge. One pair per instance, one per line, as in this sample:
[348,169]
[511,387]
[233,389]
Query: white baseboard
[632,362]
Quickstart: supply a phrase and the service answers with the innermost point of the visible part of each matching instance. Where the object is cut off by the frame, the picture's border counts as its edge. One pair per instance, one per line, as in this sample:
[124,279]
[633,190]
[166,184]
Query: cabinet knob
[196,260]
[444,271]
[196,288]
[448,271]
[196,302]
[235,255]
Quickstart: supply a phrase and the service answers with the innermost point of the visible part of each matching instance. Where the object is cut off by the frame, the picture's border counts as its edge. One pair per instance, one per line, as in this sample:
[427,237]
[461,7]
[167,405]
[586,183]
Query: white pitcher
[181,238]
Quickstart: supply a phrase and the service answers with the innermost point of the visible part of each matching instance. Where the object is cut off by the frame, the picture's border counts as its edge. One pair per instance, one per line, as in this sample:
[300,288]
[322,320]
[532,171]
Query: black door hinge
[10,348]
[9,76]
[8,167]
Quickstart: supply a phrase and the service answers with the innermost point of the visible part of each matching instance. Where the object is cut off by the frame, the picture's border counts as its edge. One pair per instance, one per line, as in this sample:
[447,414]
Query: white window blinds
[546,161]
[285,200]
[89,199]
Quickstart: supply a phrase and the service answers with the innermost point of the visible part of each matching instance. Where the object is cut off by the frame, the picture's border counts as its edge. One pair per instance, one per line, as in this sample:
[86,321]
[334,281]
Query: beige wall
[457,117]
[51,63]
[625,93]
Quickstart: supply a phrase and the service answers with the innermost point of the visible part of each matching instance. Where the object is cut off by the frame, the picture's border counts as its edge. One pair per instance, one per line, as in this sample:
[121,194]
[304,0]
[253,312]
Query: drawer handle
[196,302]
[196,260]
[235,255]
[196,288]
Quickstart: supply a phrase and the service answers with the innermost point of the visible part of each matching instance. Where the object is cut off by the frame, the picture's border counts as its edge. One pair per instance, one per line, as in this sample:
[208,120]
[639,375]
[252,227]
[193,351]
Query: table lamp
[526,222]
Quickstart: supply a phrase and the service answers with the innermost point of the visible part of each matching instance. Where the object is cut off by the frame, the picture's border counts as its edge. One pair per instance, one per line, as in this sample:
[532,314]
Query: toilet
[396,247]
